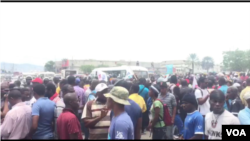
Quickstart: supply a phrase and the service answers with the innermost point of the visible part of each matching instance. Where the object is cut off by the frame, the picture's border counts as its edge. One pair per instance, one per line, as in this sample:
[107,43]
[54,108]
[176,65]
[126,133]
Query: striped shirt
[91,111]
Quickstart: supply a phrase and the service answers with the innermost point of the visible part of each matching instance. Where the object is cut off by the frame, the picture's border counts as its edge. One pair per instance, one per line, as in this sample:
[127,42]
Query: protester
[4,99]
[194,122]
[152,78]
[247,89]
[143,91]
[210,85]
[79,92]
[61,84]
[42,115]
[229,83]
[218,117]
[27,96]
[178,122]
[238,86]
[183,91]
[88,96]
[56,81]
[90,92]
[156,126]
[51,91]
[184,88]
[17,121]
[95,115]
[202,96]
[137,98]
[121,125]
[28,81]
[223,88]
[168,99]
[46,81]
[60,105]
[133,110]
[17,83]
[244,115]
[68,126]
[173,82]
[37,81]
[236,105]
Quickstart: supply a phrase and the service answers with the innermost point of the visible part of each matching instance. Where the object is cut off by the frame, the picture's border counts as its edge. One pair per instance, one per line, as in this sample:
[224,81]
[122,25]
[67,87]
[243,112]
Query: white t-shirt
[225,118]
[30,102]
[205,107]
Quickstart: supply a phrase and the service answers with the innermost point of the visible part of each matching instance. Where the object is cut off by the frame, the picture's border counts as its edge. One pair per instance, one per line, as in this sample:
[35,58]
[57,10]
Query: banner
[102,76]
[169,69]
[195,84]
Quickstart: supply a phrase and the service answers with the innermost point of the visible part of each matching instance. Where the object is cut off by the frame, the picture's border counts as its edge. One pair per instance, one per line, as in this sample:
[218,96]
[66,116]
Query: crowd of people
[76,108]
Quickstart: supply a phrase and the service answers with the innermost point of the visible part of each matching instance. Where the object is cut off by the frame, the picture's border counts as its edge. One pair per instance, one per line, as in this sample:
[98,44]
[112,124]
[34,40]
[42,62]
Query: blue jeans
[49,136]
[178,122]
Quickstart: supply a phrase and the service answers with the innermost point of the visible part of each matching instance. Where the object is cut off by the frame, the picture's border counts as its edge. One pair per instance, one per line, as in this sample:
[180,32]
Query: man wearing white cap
[121,125]
[244,115]
[95,115]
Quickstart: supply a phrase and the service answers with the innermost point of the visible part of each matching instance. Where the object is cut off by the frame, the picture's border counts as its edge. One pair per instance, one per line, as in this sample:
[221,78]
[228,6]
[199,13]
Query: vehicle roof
[122,68]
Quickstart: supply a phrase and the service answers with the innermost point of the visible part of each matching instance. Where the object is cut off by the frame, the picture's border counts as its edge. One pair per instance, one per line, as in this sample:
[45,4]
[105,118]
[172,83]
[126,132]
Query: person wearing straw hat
[244,115]
[121,125]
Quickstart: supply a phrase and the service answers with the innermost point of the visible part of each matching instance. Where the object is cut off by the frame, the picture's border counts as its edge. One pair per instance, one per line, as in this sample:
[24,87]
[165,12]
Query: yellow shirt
[85,87]
[139,100]
[243,93]
[58,90]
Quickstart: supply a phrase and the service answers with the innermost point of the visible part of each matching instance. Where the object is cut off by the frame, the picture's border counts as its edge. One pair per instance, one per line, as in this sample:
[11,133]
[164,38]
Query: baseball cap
[236,85]
[100,87]
[163,84]
[38,80]
[78,81]
[119,95]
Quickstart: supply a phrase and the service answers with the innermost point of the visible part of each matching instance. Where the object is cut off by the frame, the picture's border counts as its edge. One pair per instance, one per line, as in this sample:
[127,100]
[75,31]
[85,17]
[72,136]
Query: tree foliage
[50,66]
[193,59]
[207,63]
[238,60]
[102,66]
[87,68]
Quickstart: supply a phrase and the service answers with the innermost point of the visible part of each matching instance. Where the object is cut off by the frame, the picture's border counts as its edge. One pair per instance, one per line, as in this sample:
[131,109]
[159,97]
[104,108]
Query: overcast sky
[38,32]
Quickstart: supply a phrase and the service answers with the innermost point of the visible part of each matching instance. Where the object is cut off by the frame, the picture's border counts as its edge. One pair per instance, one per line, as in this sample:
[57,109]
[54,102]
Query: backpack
[166,116]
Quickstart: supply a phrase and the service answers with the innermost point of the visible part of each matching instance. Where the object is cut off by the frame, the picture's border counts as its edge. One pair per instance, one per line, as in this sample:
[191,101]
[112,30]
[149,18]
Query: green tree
[207,63]
[87,68]
[102,66]
[50,66]
[193,59]
[238,60]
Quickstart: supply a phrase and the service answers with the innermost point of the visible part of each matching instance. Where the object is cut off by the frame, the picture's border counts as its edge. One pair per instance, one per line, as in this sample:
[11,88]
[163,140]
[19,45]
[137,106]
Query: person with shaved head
[236,105]
[17,122]
[67,123]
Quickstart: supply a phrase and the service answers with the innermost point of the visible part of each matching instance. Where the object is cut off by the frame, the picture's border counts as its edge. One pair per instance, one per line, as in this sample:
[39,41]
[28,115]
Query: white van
[67,72]
[122,72]
[49,75]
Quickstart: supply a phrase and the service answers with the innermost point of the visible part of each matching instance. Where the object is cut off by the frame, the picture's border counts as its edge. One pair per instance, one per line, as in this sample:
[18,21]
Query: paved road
[146,135]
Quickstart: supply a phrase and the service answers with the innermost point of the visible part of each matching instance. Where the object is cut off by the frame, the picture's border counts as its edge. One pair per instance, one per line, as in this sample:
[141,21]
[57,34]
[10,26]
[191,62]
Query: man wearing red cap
[37,81]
